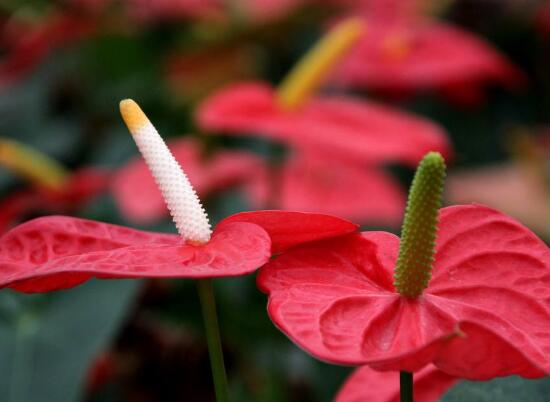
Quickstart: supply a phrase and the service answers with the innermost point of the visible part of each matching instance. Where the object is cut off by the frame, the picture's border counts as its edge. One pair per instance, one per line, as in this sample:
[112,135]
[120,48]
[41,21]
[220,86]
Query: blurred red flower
[485,312]
[78,189]
[313,182]
[139,198]
[340,126]
[407,56]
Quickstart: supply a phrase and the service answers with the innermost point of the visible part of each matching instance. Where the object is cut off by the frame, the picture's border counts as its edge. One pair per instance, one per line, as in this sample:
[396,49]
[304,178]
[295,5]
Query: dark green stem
[208,305]
[406,386]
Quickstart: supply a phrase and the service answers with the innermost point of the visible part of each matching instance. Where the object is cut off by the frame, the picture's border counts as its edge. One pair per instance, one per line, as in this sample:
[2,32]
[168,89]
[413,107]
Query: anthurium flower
[473,299]
[306,182]
[139,198]
[364,131]
[366,384]
[339,125]
[51,188]
[413,55]
[59,252]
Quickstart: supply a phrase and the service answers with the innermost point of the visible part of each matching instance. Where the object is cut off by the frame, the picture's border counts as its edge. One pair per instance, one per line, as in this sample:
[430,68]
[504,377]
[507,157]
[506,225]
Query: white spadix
[185,207]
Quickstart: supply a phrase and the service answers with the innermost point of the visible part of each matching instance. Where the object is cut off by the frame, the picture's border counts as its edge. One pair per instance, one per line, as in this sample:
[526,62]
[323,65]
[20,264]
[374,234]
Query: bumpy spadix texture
[182,201]
[417,247]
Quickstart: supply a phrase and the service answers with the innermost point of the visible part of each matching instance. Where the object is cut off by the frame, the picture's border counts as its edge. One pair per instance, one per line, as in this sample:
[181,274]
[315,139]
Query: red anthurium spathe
[366,384]
[413,55]
[58,252]
[341,125]
[484,313]
[139,198]
[357,192]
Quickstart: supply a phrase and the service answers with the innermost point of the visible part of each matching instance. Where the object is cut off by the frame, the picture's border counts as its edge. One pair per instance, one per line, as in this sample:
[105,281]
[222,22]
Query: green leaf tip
[417,248]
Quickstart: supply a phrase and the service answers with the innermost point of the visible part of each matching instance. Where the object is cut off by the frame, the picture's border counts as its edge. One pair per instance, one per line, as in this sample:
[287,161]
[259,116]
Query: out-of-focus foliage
[48,341]
[503,389]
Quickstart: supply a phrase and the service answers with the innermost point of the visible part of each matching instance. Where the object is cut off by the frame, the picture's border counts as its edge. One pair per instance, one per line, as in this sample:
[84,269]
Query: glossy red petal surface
[366,384]
[60,252]
[341,126]
[139,198]
[484,314]
[424,56]
[288,229]
[355,192]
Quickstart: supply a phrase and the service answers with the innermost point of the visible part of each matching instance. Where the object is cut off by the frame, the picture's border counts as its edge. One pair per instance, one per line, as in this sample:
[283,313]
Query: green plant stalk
[406,386]
[208,305]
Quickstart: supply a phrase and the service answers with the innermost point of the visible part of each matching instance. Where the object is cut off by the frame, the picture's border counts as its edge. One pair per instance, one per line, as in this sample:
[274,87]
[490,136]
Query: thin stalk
[406,386]
[208,305]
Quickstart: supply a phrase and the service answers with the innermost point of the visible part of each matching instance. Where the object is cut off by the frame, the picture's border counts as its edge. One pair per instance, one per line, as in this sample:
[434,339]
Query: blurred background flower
[474,70]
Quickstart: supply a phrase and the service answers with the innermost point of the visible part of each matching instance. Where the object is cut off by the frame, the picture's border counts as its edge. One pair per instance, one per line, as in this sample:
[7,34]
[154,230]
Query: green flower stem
[208,305]
[406,386]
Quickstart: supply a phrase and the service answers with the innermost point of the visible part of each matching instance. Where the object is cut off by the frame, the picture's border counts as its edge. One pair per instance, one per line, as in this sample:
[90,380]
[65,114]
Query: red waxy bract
[139,198]
[59,252]
[288,229]
[307,182]
[353,129]
[489,297]
[412,56]
[366,384]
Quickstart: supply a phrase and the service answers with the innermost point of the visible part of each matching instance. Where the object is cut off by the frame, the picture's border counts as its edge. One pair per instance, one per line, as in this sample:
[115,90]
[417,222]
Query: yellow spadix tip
[133,115]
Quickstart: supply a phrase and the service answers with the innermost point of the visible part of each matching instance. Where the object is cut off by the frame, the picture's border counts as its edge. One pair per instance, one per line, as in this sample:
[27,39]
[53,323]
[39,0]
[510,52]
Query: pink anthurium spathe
[366,384]
[139,198]
[343,126]
[484,312]
[58,252]
[306,182]
[423,55]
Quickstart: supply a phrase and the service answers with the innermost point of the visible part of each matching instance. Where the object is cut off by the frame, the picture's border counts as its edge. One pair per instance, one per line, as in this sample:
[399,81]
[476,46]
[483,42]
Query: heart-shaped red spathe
[354,129]
[485,312]
[139,198]
[288,229]
[366,384]
[308,183]
[59,252]
[410,56]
